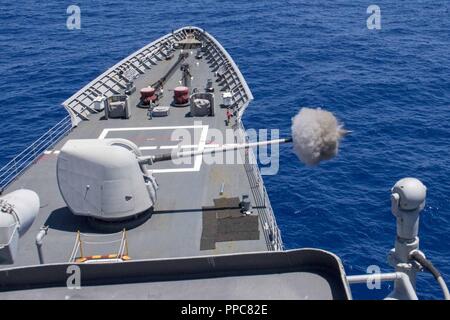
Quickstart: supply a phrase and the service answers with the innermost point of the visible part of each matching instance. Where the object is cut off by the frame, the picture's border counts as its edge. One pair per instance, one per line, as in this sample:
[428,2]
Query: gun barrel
[224,148]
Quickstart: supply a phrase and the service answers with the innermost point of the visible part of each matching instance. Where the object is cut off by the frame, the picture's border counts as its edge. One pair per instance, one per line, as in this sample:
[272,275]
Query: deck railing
[266,214]
[10,171]
[91,247]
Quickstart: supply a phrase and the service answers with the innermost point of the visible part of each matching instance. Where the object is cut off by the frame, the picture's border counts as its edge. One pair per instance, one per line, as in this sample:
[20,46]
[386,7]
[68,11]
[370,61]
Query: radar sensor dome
[412,193]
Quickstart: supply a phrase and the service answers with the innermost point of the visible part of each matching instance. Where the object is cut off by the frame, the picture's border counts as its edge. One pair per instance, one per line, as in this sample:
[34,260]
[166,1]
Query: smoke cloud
[316,134]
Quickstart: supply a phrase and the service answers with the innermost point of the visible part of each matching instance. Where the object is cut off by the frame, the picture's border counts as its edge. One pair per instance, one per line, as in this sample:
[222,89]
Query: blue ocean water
[390,86]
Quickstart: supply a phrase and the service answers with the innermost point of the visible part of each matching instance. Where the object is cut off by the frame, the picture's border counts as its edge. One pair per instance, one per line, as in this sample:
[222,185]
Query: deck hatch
[225,222]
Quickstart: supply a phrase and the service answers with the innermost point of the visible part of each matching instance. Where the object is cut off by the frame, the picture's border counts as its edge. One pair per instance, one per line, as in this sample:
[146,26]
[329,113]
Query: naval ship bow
[101,194]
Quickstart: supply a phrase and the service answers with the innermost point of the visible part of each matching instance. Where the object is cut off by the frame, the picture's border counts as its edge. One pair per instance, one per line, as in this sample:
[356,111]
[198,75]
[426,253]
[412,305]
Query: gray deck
[181,251]
[284,286]
[175,228]
[294,274]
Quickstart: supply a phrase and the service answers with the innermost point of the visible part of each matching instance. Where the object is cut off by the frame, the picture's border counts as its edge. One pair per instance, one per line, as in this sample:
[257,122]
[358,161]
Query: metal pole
[39,240]
[81,245]
[400,277]
[407,201]
[126,241]
[224,148]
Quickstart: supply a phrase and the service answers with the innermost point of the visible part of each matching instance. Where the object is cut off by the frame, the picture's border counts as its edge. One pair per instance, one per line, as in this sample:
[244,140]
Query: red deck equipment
[181,95]
[148,95]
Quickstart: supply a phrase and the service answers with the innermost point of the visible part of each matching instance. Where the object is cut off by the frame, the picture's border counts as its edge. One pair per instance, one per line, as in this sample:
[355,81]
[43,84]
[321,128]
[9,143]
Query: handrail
[268,217]
[76,246]
[16,166]
[80,244]
[16,228]
[408,289]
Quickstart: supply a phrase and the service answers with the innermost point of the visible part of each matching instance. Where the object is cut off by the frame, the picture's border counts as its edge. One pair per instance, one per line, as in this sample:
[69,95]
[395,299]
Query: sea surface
[390,86]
